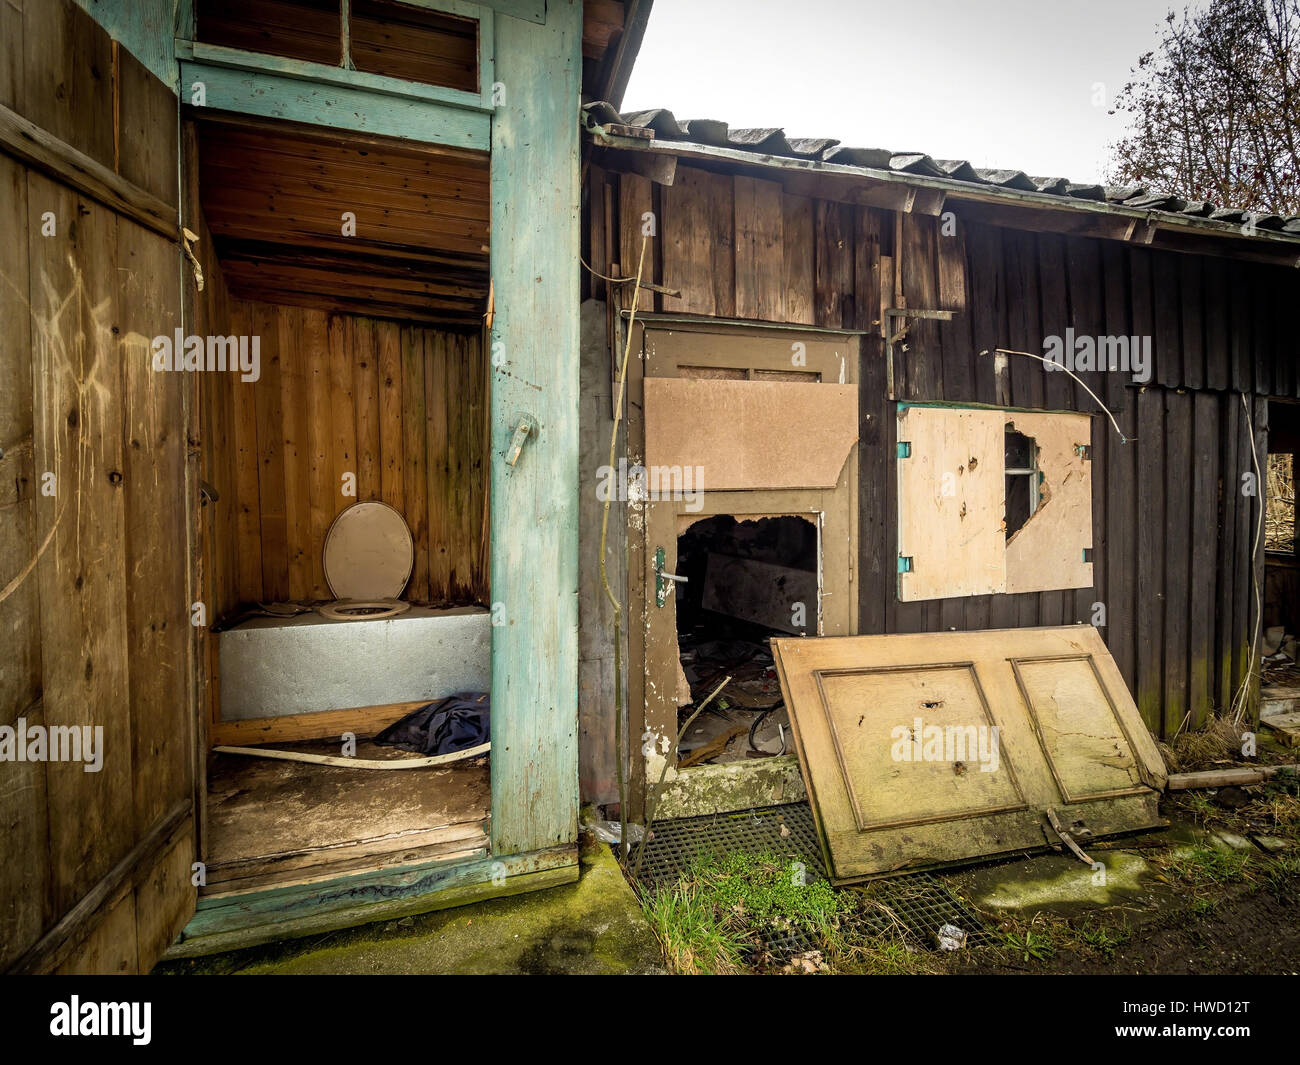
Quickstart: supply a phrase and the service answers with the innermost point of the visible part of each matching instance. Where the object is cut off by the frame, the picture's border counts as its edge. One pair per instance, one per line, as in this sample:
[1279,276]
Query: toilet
[368,556]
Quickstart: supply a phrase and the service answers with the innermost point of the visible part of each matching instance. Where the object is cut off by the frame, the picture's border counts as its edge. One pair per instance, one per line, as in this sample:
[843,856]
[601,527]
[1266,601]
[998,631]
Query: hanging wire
[1047,362]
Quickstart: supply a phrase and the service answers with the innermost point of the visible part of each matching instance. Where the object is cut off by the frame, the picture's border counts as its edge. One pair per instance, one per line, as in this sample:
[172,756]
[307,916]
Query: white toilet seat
[362,609]
[368,556]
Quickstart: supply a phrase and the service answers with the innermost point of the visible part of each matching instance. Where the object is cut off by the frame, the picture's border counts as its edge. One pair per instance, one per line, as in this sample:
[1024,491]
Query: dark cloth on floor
[452,724]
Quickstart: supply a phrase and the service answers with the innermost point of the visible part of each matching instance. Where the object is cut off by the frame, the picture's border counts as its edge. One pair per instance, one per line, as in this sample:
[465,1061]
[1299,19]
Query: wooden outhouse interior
[360,267]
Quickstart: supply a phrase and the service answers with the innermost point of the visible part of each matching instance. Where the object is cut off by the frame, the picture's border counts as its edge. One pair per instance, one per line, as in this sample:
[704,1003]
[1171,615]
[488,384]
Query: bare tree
[1215,108]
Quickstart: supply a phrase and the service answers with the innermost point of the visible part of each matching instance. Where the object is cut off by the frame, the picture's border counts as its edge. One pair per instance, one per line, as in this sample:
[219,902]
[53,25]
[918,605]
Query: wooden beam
[534,503]
[1220,778]
[279,95]
[236,921]
[37,148]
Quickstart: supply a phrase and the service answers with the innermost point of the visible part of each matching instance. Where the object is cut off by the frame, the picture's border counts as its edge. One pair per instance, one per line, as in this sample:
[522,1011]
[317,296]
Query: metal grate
[677,845]
[919,902]
[922,904]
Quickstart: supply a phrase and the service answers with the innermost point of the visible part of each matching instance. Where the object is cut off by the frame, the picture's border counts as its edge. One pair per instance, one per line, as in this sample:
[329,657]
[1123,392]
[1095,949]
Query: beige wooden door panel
[948,695]
[919,750]
[950,503]
[752,365]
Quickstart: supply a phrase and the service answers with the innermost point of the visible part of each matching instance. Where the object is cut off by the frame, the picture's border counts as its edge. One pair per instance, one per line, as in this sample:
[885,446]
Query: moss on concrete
[1060,885]
[592,927]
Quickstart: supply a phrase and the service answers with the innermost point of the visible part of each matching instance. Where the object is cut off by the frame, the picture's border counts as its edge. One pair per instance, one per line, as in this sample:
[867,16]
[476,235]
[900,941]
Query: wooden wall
[1172,530]
[400,406]
[94,581]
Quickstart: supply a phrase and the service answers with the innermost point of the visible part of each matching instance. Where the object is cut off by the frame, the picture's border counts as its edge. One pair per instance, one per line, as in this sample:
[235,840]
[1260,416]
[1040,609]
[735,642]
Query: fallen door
[923,749]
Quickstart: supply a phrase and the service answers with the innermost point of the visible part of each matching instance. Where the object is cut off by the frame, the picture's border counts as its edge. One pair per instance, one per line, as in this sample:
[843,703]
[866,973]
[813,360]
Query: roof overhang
[636,149]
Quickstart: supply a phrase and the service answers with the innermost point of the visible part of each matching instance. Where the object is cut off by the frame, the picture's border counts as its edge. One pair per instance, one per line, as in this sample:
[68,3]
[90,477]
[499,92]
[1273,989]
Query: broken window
[992,501]
[1021,473]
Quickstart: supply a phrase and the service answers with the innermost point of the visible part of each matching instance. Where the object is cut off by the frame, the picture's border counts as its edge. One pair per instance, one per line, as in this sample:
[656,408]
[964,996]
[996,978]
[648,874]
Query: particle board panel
[950,503]
[919,750]
[1047,552]
[751,434]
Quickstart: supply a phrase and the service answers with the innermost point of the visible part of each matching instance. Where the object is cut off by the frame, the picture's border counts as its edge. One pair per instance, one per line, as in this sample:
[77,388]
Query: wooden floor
[272,823]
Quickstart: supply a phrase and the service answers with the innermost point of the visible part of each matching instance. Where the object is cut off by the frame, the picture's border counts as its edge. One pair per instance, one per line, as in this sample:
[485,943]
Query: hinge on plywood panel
[904,449]
[904,563]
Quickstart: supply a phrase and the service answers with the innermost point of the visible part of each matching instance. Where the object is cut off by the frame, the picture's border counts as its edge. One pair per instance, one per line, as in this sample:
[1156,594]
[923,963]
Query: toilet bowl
[368,555]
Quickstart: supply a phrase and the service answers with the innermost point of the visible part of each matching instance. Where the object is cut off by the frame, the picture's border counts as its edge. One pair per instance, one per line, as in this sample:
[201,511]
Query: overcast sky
[1004,83]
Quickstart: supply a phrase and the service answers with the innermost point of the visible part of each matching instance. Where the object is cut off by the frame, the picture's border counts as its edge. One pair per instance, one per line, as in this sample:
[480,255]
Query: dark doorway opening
[746,581]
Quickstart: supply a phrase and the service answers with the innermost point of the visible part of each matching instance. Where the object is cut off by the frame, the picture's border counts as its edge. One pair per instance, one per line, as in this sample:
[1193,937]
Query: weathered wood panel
[396,408]
[534,511]
[94,516]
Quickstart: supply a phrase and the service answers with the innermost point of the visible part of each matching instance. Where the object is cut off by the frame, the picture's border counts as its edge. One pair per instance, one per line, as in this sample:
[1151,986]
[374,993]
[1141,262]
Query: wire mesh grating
[920,902]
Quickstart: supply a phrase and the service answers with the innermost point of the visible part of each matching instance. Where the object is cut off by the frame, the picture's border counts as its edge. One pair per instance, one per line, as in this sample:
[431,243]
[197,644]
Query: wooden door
[769,417]
[938,747]
[95,540]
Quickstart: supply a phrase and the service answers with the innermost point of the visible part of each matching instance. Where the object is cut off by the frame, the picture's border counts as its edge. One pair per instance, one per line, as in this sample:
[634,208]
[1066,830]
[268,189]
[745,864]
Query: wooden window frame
[344,76]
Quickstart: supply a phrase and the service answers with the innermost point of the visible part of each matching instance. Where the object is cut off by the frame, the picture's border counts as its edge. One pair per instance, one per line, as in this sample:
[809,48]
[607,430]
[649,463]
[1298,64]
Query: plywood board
[1047,552]
[950,503]
[918,750]
[750,434]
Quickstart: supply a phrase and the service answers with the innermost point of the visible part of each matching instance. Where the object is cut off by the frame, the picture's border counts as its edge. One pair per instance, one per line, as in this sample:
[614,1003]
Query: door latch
[662,579]
[524,430]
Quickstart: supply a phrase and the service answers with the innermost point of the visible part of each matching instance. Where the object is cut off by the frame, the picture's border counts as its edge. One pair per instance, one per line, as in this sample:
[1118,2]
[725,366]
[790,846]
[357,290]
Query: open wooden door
[96,678]
[755,423]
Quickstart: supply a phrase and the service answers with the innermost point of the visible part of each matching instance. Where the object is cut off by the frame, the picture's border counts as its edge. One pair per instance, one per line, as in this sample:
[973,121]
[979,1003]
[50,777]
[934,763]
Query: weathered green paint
[534,368]
[277,95]
[145,28]
[303,909]
[532,10]
[322,74]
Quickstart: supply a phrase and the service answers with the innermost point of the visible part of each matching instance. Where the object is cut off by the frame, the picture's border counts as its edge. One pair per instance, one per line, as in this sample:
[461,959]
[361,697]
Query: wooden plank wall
[400,406]
[94,596]
[1172,530]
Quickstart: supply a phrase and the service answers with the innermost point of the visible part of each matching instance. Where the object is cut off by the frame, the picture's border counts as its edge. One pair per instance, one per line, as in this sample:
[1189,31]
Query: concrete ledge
[273,667]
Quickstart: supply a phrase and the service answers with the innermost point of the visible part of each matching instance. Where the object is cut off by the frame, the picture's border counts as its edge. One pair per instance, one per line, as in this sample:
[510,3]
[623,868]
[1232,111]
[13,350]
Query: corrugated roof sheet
[710,132]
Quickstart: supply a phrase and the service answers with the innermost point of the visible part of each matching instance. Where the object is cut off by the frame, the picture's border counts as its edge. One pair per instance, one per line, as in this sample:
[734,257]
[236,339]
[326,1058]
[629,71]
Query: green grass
[1030,944]
[696,938]
[1204,866]
[718,912]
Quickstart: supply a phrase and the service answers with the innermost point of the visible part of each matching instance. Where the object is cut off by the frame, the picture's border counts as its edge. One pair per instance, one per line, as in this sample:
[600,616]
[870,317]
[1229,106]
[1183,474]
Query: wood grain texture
[534,509]
[95,512]
[386,404]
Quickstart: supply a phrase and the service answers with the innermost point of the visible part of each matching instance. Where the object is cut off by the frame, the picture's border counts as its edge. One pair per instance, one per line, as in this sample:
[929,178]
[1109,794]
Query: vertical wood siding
[94,610]
[1172,530]
[401,407]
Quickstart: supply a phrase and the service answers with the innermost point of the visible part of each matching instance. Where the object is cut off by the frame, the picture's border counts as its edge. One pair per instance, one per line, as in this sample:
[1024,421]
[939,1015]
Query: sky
[1009,84]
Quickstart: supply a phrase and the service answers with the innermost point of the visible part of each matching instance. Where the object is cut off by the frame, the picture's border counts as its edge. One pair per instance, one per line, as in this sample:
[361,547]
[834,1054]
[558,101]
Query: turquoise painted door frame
[534,381]
[533,135]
